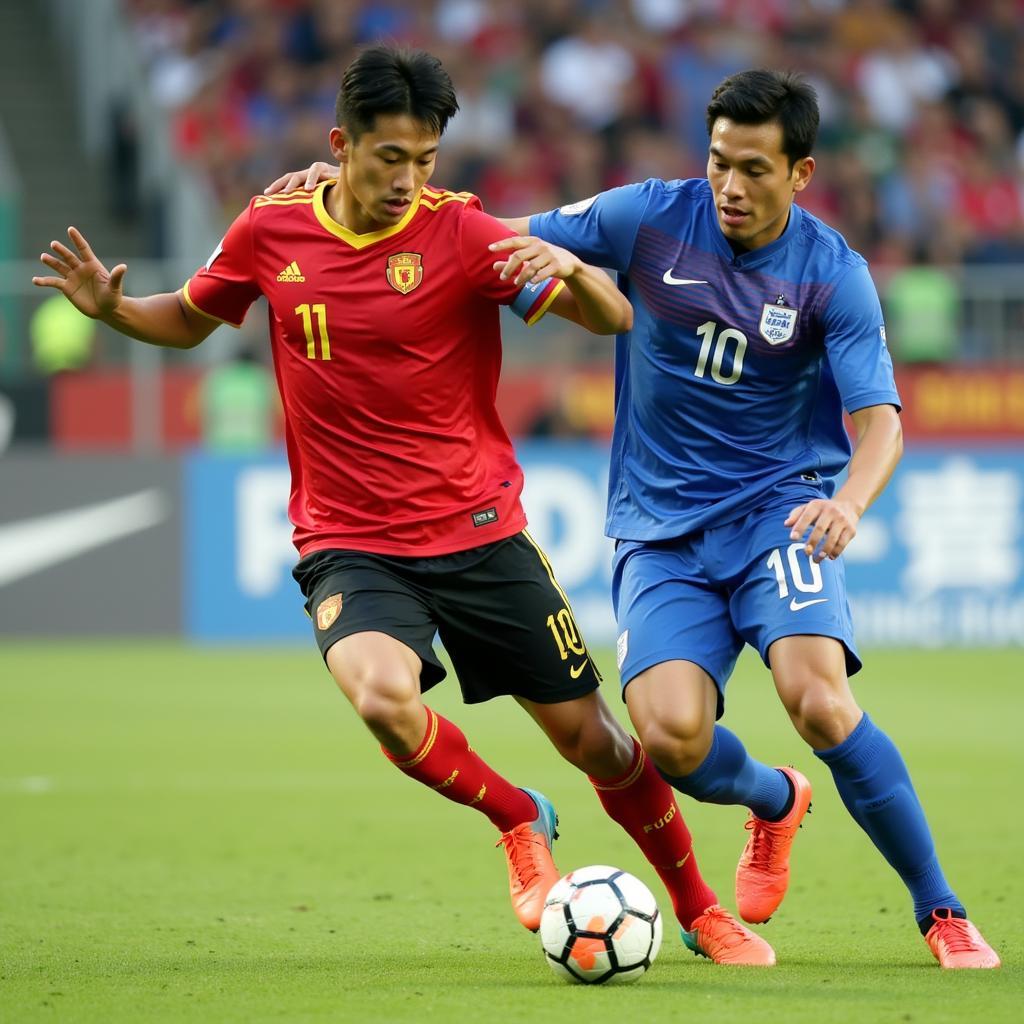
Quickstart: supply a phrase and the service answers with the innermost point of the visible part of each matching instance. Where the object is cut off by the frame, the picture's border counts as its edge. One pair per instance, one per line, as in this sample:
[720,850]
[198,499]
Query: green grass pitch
[211,836]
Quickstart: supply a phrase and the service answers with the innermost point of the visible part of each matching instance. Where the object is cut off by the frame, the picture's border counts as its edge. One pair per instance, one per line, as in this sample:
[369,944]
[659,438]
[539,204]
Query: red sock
[445,762]
[643,803]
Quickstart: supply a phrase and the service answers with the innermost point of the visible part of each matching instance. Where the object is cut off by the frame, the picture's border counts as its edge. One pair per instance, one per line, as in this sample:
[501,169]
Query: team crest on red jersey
[405,271]
[327,611]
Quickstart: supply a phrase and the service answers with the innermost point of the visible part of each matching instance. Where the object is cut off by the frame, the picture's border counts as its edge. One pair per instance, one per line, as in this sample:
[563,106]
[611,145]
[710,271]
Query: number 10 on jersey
[307,312]
[706,332]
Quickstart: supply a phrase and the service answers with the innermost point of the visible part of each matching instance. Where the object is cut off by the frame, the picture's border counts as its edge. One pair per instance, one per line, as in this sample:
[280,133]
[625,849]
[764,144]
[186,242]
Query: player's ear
[340,144]
[803,171]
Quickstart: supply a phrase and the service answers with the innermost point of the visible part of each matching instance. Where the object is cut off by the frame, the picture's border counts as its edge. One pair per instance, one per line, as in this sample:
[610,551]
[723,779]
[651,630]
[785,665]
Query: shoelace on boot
[761,837]
[955,932]
[518,843]
[736,934]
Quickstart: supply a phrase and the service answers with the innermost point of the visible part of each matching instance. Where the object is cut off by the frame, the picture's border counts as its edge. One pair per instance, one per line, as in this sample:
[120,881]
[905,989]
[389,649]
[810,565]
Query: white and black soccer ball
[600,925]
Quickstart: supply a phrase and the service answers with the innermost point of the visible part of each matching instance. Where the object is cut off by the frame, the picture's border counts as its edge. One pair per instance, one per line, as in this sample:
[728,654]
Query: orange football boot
[531,869]
[762,875]
[956,943]
[717,935]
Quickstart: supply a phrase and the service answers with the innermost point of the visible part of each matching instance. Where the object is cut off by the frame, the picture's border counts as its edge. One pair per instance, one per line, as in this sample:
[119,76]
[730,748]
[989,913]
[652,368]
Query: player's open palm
[85,282]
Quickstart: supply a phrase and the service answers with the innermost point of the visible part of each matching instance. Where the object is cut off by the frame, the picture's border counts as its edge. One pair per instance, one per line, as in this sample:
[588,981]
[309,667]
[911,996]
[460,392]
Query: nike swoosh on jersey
[35,544]
[577,670]
[669,279]
[795,605]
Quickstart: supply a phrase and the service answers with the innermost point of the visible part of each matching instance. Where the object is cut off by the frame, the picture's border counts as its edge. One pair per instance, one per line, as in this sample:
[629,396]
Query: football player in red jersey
[383,298]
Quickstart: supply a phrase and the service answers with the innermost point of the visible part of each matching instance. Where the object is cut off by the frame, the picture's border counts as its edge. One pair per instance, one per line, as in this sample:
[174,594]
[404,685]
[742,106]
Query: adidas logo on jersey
[291,274]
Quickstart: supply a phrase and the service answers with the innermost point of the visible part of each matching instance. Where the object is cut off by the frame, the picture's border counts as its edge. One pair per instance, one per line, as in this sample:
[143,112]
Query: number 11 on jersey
[319,310]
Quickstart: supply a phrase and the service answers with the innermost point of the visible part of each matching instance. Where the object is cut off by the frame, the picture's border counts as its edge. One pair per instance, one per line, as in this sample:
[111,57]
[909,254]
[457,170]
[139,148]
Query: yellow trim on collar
[350,237]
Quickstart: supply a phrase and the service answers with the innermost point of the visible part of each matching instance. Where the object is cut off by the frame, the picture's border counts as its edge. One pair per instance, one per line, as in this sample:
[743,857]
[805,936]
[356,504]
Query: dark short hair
[757,97]
[387,80]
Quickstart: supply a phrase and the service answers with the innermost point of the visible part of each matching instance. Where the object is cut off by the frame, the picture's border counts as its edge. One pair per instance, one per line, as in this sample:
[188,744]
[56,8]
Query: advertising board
[938,560]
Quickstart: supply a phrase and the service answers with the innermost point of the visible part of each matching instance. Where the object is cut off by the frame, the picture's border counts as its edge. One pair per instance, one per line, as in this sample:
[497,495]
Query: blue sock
[875,786]
[729,775]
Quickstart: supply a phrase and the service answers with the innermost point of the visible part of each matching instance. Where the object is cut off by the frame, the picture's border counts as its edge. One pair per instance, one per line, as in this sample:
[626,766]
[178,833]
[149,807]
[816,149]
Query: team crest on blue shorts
[622,647]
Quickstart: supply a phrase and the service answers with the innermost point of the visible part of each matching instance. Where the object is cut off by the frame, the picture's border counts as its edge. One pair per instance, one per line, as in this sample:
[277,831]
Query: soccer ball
[600,925]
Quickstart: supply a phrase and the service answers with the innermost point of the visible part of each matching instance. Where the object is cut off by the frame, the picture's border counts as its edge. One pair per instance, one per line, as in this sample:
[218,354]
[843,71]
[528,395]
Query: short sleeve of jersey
[601,230]
[226,287]
[855,343]
[478,231]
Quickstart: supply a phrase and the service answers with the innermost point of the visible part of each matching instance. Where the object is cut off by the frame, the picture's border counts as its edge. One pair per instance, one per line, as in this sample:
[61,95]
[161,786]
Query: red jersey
[387,351]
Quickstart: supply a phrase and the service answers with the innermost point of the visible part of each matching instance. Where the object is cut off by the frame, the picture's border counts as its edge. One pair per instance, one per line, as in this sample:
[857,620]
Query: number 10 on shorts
[567,636]
[796,559]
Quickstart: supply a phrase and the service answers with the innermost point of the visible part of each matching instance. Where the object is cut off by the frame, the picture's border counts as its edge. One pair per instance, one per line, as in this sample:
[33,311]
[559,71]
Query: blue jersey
[734,378]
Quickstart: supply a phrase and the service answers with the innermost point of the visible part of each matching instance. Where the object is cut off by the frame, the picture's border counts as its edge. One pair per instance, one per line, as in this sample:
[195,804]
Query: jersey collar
[350,237]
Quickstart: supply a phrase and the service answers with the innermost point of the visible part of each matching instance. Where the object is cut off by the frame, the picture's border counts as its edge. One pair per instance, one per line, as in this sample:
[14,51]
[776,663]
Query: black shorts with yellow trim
[498,609]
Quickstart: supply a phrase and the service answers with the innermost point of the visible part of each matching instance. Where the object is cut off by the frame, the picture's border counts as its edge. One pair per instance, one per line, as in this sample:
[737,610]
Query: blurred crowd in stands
[921,149]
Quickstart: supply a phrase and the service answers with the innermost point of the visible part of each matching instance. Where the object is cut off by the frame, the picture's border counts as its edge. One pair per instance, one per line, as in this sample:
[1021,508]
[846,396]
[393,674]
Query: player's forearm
[602,308]
[878,450]
[520,225]
[159,320]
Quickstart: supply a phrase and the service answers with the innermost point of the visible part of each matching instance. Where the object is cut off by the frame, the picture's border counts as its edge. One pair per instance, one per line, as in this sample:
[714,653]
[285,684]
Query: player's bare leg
[673,707]
[635,795]
[873,782]
[380,676]
[810,678]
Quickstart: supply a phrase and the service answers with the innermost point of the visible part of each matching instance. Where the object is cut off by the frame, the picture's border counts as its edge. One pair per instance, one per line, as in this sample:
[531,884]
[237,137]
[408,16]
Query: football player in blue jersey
[755,326]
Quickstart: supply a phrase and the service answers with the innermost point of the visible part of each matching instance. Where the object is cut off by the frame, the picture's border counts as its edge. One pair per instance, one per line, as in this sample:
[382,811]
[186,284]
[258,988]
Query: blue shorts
[700,597]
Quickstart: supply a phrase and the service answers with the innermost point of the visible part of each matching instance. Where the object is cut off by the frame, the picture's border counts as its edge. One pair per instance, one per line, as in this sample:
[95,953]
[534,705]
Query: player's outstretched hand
[532,259]
[85,282]
[832,525]
[307,179]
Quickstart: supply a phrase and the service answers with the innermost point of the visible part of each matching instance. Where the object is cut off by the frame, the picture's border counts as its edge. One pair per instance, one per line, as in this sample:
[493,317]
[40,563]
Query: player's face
[383,170]
[752,181]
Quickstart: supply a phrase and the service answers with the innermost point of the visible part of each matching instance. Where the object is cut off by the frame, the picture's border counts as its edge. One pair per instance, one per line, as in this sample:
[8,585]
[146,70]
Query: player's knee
[823,712]
[676,746]
[384,699]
